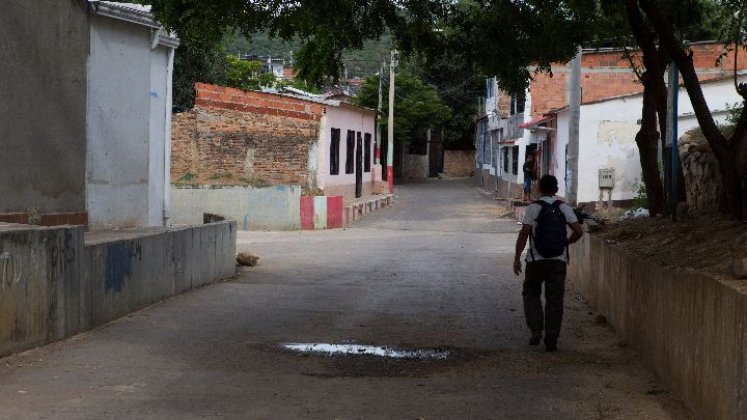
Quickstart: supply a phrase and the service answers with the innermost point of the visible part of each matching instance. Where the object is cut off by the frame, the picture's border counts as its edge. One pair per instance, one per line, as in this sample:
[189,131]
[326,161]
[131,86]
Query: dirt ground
[705,245]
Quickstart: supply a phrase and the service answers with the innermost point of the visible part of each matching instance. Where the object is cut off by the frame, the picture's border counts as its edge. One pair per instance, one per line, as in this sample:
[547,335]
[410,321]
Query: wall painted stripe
[320,212]
[307,213]
[334,212]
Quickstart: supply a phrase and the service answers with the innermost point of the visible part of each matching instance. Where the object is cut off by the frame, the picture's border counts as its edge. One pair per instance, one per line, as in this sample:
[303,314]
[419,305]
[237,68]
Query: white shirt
[530,219]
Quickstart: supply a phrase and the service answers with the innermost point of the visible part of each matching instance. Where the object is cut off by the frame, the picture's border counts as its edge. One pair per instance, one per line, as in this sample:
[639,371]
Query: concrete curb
[355,211]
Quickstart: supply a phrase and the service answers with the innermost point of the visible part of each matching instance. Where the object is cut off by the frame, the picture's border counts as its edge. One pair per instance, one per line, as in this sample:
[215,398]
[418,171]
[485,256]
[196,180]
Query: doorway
[359,166]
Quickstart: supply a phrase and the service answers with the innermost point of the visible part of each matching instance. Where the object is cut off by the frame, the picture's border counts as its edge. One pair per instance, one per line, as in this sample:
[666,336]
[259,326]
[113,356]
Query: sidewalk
[354,209]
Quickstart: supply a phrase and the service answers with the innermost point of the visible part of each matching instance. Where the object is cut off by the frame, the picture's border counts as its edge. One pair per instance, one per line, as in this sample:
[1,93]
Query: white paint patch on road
[366,350]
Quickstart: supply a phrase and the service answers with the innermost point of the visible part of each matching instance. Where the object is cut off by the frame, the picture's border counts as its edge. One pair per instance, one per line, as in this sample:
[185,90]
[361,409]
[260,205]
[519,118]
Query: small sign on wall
[607,178]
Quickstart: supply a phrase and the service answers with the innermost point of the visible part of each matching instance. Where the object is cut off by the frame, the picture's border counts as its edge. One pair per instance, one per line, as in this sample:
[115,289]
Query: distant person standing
[544,225]
[528,176]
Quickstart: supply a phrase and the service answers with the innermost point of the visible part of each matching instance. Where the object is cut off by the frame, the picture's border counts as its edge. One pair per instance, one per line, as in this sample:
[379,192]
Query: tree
[417,106]
[458,82]
[731,152]
[248,75]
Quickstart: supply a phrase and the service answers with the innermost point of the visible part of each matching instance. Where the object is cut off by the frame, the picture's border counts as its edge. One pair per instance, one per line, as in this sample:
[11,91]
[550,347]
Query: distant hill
[362,63]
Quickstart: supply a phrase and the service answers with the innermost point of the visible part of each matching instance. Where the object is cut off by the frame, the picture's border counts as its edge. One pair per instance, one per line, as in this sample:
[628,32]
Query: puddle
[324,349]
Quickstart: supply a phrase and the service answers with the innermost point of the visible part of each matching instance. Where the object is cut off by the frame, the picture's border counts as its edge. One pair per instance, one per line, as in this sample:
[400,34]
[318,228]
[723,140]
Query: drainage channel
[325,349]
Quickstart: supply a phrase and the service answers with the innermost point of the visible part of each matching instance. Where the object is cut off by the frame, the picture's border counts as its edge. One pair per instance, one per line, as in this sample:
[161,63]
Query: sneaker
[535,339]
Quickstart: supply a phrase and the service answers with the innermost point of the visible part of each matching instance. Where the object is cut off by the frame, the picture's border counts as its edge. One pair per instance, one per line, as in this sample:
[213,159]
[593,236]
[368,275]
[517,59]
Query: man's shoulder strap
[544,203]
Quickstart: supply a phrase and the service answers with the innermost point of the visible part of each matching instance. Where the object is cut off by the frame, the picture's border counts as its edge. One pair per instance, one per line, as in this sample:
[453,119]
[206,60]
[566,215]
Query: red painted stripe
[334,212]
[307,213]
[390,178]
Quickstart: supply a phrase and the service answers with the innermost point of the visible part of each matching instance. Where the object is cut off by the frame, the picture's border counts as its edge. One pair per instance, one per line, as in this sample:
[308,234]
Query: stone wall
[235,137]
[459,163]
[687,327]
[701,171]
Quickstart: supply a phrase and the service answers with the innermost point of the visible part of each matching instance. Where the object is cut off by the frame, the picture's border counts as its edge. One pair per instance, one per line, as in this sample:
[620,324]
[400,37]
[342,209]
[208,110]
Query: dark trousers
[552,273]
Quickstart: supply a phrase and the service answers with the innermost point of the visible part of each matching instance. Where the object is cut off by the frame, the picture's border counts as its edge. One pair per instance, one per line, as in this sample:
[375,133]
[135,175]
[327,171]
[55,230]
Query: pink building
[347,150]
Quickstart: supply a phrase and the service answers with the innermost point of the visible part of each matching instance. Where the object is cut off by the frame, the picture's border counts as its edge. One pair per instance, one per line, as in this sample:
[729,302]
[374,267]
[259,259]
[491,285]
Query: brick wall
[607,74]
[233,137]
[459,163]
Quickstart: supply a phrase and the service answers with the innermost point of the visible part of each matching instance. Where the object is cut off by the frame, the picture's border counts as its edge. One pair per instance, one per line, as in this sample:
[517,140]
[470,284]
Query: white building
[607,132]
[128,117]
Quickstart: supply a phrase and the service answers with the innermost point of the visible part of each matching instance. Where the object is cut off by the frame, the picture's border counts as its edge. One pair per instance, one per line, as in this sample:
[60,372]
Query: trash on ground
[245,258]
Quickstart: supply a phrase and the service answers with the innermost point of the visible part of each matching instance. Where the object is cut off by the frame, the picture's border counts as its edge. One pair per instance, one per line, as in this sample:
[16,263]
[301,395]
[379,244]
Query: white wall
[561,141]
[607,137]
[344,117]
[128,118]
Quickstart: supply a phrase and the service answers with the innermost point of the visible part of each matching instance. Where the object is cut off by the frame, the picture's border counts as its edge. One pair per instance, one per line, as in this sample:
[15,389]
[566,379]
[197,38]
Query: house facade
[607,140]
[610,103]
[270,149]
[84,134]
[129,117]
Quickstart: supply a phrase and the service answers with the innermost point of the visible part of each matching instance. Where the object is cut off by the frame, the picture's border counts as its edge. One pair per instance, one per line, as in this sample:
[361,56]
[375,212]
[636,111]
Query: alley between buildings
[431,275]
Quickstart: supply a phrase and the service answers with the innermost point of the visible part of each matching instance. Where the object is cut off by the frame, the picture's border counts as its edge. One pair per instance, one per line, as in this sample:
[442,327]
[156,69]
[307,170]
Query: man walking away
[544,225]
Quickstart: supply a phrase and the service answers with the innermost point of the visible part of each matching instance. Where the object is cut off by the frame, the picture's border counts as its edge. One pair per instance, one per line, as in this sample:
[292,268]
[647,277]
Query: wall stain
[118,265]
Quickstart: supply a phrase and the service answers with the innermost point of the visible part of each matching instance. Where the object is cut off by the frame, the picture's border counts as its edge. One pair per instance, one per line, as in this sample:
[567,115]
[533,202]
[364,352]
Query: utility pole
[390,128]
[574,108]
[671,176]
[377,154]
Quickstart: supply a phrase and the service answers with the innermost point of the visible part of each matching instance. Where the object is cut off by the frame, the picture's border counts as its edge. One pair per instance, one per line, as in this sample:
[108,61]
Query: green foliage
[248,75]
[458,83]
[640,199]
[417,106]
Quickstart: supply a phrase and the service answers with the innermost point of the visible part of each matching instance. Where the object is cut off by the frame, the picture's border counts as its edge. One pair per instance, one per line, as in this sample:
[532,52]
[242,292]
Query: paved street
[432,272]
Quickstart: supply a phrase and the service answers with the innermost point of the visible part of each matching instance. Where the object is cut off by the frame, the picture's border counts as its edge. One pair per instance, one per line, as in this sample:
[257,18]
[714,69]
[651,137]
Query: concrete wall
[128,87]
[271,208]
[54,283]
[43,106]
[687,327]
[344,117]
[126,274]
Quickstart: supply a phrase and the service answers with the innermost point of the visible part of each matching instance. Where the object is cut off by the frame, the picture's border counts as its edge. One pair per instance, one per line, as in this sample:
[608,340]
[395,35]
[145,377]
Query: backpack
[550,237]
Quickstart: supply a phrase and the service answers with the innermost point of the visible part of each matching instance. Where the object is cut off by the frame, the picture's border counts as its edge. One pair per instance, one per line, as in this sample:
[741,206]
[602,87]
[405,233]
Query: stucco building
[84,114]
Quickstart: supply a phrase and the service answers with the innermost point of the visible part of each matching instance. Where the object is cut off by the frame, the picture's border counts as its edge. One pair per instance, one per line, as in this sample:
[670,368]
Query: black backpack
[550,237]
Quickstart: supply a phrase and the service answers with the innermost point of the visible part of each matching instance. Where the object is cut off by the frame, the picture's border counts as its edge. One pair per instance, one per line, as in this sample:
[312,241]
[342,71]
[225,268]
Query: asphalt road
[431,273]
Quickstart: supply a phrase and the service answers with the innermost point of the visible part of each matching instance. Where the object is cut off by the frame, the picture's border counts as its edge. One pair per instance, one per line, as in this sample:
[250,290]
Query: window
[515,160]
[334,152]
[490,91]
[504,169]
[517,103]
[350,153]
[367,156]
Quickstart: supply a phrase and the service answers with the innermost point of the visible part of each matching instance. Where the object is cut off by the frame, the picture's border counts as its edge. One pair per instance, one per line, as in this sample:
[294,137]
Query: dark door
[359,166]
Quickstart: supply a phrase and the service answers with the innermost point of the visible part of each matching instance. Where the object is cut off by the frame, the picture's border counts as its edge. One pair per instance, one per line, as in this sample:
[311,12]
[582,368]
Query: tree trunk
[646,139]
[654,91]
[722,149]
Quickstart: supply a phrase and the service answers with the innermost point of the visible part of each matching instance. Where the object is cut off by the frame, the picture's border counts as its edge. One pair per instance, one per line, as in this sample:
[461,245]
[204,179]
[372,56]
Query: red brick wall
[233,137]
[459,163]
[608,74]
